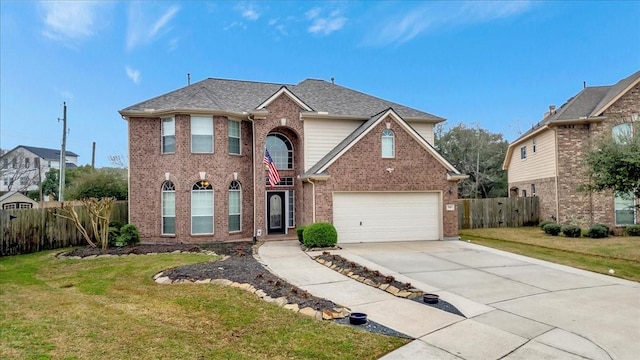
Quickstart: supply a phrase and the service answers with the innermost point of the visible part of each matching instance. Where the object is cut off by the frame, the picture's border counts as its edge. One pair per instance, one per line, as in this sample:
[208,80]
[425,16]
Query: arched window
[168,208]
[388,144]
[202,208]
[280,150]
[235,207]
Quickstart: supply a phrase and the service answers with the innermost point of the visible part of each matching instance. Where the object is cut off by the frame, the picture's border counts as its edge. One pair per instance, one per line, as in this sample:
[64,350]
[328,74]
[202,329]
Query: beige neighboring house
[14,200]
[548,160]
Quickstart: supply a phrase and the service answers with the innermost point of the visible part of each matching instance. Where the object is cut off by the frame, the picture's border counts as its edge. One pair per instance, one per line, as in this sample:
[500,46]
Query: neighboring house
[23,167]
[365,164]
[14,200]
[548,161]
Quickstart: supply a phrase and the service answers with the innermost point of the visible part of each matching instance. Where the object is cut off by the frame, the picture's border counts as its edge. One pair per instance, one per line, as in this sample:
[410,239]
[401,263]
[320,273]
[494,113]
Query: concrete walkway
[515,307]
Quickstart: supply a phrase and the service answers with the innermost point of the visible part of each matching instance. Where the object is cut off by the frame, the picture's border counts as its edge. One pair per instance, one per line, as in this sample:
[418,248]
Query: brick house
[548,160]
[365,164]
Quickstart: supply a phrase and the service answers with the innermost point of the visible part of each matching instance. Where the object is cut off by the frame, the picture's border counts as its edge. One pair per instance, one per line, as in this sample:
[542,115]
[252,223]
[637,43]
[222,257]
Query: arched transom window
[202,208]
[168,208]
[281,151]
[388,144]
[235,207]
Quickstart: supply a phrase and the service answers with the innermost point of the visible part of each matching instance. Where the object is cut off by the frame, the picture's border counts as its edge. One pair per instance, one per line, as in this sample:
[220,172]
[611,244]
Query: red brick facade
[360,169]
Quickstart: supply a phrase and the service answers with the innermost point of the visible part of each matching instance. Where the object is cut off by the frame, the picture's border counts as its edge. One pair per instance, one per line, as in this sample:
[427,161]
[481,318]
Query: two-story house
[199,171]
[548,161]
[23,167]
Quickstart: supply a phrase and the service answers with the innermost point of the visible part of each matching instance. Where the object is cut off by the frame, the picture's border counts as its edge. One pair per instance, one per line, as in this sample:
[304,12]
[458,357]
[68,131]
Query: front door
[276,212]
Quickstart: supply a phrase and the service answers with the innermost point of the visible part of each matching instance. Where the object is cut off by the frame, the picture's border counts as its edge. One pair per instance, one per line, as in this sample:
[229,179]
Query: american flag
[274,177]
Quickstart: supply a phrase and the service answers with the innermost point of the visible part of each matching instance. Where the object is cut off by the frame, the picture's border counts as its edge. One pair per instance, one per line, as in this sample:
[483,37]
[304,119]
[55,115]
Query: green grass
[621,254]
[111,308]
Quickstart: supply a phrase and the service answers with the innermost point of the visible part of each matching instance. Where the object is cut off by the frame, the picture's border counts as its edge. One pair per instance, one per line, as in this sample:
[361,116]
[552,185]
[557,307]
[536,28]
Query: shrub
[299,232]
[606,227]
[571,231]
[597,231]
[543,223]
[129,235]
[633,230]
[114,233]
[552,229]
[320,234]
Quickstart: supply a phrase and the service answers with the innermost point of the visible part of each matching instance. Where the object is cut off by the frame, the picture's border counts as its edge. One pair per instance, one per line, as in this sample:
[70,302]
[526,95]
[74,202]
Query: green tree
[477,153]
[98,184]
[51,183]
[614,164]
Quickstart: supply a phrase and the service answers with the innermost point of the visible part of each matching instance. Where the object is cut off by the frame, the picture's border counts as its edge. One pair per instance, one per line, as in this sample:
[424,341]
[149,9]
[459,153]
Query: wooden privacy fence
[498,212]
[32,230]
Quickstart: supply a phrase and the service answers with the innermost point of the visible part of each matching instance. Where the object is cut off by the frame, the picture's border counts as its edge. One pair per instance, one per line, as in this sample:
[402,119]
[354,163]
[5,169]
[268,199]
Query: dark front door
[275,212]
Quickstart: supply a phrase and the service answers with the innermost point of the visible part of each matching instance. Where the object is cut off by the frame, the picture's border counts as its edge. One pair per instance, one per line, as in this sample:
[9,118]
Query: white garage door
[386,216]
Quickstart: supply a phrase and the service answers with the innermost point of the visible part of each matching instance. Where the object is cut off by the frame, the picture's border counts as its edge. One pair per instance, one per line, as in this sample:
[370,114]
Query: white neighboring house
[23,167]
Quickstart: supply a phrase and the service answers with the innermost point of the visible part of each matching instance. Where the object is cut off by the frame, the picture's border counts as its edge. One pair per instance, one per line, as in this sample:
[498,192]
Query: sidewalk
[491,334]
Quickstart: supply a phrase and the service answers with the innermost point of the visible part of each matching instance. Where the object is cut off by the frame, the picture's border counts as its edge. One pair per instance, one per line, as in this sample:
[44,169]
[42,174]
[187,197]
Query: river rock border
[324,314]
[411,293]
[63,255]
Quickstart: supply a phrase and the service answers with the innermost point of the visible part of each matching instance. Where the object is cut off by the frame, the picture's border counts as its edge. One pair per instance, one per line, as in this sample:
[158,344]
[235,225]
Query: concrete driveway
[516,307]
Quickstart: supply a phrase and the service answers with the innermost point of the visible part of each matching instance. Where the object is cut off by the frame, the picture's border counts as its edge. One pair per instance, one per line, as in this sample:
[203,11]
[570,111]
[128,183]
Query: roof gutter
[456,177]
[126,114]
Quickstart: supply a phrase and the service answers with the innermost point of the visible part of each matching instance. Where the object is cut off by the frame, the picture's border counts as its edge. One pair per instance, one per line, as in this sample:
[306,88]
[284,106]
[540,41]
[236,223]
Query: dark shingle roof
[589,102]
[45,153]
[243,96]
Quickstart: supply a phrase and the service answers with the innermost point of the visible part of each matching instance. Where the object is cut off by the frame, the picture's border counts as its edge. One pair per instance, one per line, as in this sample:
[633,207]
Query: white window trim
[239,137]
[388,134]
[213,145]
[289,152]
[634,209]
[163,216]
[239,191]
[163,135]
[534,145]
[523,152]
[213,210]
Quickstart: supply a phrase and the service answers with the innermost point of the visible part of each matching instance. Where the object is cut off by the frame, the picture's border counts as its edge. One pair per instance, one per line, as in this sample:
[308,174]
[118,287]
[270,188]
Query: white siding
[322,135]
[538,165]
[387,216]
[424,129]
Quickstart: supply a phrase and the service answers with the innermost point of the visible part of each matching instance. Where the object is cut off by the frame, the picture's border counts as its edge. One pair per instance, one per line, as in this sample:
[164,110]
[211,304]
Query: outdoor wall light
[450,191]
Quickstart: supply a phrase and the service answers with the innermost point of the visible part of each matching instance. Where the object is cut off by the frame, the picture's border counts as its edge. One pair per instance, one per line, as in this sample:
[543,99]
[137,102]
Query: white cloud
[70,21]
[248,11]
[325,25]
[133,74]
[147,24]
[404,26]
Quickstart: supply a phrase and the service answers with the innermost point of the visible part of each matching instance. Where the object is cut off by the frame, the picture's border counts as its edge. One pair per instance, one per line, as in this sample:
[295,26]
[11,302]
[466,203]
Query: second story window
[388,144]
[523,152]
[281,151]
[534,146]
[201,134]
[14,163]
[27,163]
[234,137]
[168,136]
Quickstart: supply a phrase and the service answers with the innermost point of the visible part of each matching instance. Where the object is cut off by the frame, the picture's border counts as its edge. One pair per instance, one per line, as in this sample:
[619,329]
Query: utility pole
[63,155]
[93,156]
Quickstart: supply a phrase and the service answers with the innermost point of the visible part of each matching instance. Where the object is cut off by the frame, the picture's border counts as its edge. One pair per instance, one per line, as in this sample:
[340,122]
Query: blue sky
[495,64]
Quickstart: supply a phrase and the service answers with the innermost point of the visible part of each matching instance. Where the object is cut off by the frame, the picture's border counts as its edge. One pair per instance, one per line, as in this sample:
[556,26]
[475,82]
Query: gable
[284,91]
[362,131]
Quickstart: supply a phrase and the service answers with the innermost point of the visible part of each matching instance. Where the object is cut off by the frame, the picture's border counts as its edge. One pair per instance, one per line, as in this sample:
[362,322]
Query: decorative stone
[308,311]
[176,252]
[205,281]
[328,314]
[260,293]
[328,263]
[163,280]
[403,294]
[350,274]
[333,266]
[223,282]
[281,301]
[393,290]
[90,257]
[370,282]
[383,286]
[235,285]
[321,261]
[157,275]
[292,307]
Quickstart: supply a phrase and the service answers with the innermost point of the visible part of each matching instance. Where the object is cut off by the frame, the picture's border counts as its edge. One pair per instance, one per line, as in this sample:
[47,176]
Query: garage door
[386,216]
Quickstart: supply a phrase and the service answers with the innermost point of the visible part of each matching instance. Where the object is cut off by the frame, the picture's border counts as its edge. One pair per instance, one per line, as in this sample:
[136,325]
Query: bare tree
[117,161]
[18,171]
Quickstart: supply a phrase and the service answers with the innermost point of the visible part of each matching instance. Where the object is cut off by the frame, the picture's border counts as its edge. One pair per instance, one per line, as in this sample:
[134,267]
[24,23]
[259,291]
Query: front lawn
[111,308]
[620,253]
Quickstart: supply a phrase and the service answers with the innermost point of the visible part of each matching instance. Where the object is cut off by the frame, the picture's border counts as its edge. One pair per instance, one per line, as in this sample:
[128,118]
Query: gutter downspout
[555,134]
[313,200]
[253,159]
